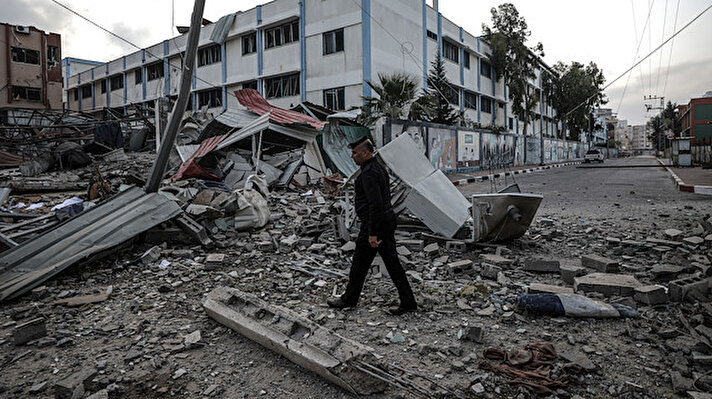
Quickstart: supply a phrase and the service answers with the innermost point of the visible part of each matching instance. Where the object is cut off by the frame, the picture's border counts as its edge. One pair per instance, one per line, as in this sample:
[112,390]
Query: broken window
[334,99]
[466,59]
[211,98]
[52,56]
[470,100]
[249,43]
[103,86]
[333,41]
[154,71]
[283,34]
[138,76]
[27,93]
[24,55]
[282,86]
[432,35]
[86,91]
[209,55]
[75,92]
[451,51]
[452,94]
[252,84]
[117,82]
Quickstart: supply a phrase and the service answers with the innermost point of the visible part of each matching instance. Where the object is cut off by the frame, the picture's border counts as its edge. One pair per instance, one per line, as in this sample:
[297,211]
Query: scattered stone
[215,258]
[607,284]
[317,247]
[65,389]
[570,270]
[496,260]
[432,250]
[680,384]
[179,373]
[601,264]
[460,266]
[691,287]
[542,265]
[401,250]
[193,340]
[579,358]
[349,247]
[490,271]
[474,334]
[693,241]
[29,331]
[457,246]
[413,245]
[39,387]
[673,234]
[151,256]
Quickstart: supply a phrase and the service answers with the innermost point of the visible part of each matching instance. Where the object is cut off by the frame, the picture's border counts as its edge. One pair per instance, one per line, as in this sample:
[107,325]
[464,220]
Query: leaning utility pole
[174,119]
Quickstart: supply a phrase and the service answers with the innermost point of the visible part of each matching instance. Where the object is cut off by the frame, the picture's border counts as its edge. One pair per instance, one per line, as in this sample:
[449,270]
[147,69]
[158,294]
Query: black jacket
[373,196]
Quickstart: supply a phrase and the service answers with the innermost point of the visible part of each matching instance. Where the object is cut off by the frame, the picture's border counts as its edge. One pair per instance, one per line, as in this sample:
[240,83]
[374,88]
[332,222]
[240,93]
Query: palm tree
[394,93]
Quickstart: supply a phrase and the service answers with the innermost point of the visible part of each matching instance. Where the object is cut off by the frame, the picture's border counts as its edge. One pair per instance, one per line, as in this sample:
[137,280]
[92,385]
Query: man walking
[377,234]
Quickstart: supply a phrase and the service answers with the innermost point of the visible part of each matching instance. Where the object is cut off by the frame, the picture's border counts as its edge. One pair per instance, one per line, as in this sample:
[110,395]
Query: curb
[463,182]
[682,186]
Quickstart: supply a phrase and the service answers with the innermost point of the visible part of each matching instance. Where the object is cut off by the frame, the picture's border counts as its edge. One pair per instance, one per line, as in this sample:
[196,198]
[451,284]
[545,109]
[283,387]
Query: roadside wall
[701,154]
[455,149]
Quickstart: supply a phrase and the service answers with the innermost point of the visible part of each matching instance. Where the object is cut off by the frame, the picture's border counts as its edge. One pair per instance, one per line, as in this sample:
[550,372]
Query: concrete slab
[537,288]
[600,263]
[542,265]
[607,284]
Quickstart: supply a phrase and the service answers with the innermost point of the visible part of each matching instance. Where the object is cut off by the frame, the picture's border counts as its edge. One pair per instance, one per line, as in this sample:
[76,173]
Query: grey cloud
[42,15]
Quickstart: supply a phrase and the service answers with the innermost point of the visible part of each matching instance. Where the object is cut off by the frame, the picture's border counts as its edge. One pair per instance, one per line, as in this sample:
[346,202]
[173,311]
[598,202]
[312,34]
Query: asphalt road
[617,189]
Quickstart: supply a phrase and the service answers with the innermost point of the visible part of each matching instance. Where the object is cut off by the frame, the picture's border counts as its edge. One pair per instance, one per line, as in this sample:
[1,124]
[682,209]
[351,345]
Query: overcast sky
[606,32]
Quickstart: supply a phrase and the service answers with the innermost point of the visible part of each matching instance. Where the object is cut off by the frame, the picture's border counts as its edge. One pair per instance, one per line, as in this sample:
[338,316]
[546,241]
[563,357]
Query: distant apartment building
[322,52]
[30,69]
[73,66]
[640,140]
[696,119]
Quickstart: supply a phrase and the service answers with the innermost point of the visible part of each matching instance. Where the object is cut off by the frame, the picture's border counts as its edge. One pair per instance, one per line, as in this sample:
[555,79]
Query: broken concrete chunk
[151,256]
[496,260]
[693,241]
[474,334]
[457,246]
[570,270]
[607,284]
[460,266]
[689,288]
[413,245]
[317,247]
[601,264]
[432,250]
[651,295]
[215,258]
[65,389]
[349,246]
[29,331]
[193,340]
[542,265]
[674,234]
[490,271]
[537,288]
[401,250]
[102,394]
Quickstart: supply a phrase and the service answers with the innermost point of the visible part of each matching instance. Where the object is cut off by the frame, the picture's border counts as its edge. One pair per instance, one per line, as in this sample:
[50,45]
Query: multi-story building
[696,119]
[319,51]
[30,69]
[640,140]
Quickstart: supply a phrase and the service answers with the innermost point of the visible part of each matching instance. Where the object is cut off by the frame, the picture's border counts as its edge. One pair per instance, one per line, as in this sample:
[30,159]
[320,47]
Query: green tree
[574,94]
[512,60]
[394,94]
[435,103]
[660,123]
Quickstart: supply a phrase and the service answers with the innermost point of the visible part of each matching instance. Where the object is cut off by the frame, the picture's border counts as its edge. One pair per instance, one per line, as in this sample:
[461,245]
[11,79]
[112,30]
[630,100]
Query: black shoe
[339,303]
[402,309]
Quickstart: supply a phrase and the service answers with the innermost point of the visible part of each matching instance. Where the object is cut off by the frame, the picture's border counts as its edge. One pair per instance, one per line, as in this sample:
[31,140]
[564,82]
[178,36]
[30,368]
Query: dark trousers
[363,257]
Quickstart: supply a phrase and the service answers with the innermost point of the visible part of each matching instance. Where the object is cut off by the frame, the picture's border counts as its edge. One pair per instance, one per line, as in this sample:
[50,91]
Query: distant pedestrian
[377,234]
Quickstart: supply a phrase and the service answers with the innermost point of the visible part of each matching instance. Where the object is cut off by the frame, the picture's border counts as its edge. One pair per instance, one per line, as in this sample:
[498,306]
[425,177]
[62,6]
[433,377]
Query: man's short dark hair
[362,140]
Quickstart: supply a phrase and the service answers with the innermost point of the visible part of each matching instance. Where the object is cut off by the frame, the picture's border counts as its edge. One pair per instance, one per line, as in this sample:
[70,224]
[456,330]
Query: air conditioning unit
[22,29]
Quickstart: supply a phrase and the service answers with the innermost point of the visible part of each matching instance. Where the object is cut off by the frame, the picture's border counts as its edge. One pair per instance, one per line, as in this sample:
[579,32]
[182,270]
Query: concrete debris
[29,331]
[74,385]
[607,284]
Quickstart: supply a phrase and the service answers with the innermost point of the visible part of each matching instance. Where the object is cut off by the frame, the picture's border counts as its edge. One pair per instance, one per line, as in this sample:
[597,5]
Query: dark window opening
[470,100]
[24,55]
[432,35]
[75,93]
[211,98]
[283,34]
[452,94]
[486,69]
[103,86]
[138,76]
[29,93]
[252,84]
[334,99]
[451,52]
[333,41]
[466,60]
[86,91]
[209,55]
[282,86]
[486,105]
[154,71]
[116,82]
[52,56]
[249,43]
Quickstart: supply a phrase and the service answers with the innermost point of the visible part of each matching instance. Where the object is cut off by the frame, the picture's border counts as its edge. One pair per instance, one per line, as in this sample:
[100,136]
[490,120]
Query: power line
[637,51]
[643,59]
[672,45]
[660,62]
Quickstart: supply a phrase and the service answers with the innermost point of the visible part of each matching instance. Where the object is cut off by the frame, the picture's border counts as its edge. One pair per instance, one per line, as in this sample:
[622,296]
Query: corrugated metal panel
[205,148]
[95,230]
[252,99]
[221,28]
[9,160]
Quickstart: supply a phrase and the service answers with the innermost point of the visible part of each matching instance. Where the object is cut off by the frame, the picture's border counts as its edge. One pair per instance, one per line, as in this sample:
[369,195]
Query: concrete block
[651,294]
[459,267]
[79,381]
[496,260]
[474,334]
[29,331]
[691,287]
[542,265]
[693,241]
[536,288]
[151,256]
[317,247]
[432,250]
[673,234]
[457,246]
[413,245]
[215,258]
[570,270]
[601,264]
[607,284]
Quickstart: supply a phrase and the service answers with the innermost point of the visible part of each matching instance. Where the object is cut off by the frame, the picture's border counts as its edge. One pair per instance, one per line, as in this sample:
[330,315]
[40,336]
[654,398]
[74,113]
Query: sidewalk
[460,179]
[690,179]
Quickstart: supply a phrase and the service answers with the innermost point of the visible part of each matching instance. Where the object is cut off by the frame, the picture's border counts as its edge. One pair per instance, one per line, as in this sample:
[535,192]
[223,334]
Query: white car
[593,156]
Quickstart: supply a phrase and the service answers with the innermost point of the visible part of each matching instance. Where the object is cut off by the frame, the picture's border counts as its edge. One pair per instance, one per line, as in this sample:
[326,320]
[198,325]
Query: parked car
[593,156]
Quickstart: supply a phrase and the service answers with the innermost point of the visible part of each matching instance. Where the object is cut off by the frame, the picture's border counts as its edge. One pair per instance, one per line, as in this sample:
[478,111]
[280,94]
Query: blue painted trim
[440,32]
[123,62]
[143,55]
[541,111]
[260,50]
[194,81]
[479,73]
[479,106]
[79,91]
[143,82]
[166,70]
[93,91]
[108,91]
[224,98]
[107,68]
[125,86]
[462,71]
[81,61]
[425,45]
[302,52]
[366,45]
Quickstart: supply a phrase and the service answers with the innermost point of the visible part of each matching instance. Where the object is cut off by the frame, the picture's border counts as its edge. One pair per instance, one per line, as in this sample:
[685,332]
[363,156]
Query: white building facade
[320,51]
